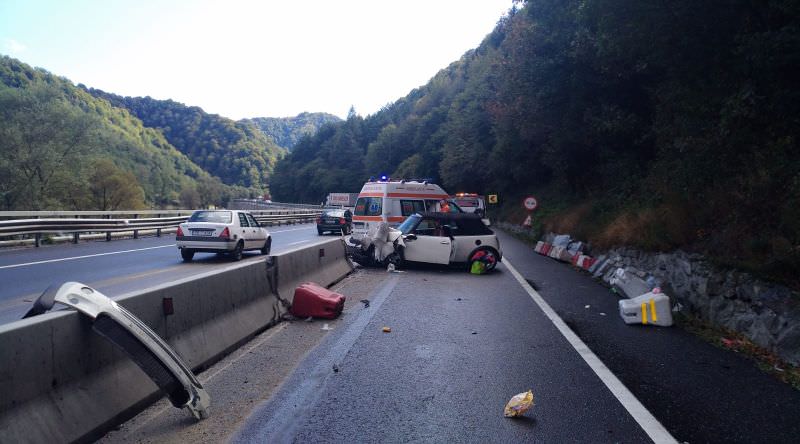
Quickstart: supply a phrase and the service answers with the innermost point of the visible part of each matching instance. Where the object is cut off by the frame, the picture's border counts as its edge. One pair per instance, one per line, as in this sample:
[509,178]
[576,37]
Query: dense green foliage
[287,131]
[61,148]
[660,124]
[236,152]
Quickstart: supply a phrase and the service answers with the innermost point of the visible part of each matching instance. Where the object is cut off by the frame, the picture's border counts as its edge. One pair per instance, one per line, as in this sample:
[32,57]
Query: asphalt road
[114,267]
[460,346]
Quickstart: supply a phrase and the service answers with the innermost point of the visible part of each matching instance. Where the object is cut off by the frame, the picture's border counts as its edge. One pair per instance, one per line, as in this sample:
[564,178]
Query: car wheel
[236,254]
[486,255]
[267,246]
[395,259]
[319,232]
[187,255]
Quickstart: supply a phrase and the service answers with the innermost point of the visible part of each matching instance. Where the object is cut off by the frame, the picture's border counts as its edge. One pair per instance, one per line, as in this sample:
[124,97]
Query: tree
[43,141]
[189,197]
[114,189]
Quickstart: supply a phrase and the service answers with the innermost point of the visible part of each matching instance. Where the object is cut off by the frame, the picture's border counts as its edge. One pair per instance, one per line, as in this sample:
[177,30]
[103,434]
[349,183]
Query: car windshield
[368,206]
[408,225]
[221,217]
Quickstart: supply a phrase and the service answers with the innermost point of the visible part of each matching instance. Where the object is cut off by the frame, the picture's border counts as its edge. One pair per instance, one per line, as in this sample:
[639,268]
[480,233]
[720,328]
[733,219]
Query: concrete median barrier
[61,382]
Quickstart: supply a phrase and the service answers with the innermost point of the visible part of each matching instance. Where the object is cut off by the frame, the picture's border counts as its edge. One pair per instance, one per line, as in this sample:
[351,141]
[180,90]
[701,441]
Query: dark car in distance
[335,221]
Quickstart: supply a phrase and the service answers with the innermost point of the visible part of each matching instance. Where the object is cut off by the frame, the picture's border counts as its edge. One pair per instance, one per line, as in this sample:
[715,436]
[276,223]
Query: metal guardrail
[37,223]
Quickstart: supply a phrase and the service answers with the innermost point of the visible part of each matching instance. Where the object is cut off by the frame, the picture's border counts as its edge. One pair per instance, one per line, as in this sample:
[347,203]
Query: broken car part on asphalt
[151,353]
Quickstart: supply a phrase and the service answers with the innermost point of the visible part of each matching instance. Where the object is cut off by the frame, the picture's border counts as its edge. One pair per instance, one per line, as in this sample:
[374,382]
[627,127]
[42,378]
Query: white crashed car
[221,231]
[434,238]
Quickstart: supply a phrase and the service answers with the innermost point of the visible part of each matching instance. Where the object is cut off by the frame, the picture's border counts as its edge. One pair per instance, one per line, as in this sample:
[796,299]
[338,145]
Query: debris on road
[649,308]
[519,404]
[387,330]
[365,302]
[314,300]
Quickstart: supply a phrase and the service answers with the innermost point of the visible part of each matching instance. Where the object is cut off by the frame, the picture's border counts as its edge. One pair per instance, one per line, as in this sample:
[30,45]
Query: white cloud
[13,47]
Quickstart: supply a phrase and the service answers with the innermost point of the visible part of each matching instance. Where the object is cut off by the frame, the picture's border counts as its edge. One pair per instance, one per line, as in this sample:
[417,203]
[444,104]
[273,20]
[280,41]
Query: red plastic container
[311,299]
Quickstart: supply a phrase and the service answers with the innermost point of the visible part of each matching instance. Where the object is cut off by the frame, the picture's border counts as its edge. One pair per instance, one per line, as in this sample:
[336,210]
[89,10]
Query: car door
[424,245]
[259,233]
[245,232]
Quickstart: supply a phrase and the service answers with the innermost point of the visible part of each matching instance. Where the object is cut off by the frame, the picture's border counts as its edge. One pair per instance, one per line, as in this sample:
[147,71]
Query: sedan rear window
[220,217]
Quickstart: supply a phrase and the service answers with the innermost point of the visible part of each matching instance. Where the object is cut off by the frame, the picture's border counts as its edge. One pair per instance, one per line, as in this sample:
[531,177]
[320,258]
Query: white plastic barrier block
[565,256]
[600,261]
[647,309]
[555,252]
[602,268]
[628,283]
[539,246]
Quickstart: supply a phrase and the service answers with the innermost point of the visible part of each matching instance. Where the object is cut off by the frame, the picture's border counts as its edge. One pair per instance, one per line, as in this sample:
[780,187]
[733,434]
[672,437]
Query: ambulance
[391,201]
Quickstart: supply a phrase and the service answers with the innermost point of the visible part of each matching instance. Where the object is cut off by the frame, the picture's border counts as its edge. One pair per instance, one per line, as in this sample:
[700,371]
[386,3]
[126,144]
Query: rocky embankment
[767,313]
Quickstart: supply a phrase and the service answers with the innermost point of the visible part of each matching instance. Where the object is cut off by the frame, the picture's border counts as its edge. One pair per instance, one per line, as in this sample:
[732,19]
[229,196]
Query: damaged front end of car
[383,245]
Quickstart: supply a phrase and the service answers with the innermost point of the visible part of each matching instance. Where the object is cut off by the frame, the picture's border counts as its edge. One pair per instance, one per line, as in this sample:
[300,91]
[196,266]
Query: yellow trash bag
[519,404]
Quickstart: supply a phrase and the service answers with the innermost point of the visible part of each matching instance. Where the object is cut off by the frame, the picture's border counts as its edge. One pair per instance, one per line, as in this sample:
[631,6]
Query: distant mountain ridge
[236,152]
[287,131]
[58,143]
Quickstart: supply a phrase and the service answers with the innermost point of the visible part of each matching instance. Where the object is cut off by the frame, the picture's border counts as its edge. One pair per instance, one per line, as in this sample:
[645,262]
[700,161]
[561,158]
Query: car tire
[395,259]
[267,246]
[187,255]
[236,254]
[319,232]
[490,251]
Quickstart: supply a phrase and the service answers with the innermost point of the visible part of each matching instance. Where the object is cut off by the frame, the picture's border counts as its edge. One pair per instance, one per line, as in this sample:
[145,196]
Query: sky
[249,58]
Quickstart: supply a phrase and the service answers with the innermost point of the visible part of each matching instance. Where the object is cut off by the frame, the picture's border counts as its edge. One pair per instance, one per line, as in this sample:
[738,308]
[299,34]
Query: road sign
[528,222]
[493,198]
[530,203]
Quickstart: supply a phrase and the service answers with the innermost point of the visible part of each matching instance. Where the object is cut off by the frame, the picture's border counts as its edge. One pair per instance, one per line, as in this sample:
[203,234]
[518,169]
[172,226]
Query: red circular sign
[530,203]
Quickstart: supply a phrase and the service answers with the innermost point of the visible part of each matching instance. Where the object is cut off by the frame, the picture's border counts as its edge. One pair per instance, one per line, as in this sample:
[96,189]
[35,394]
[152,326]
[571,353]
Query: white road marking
[83,257]
[2,267]
[293,229]
[646,420]
[300,242]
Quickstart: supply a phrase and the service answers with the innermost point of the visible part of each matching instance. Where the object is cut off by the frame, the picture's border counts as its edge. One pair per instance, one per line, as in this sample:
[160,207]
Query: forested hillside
[655,124]
[236,152]
[287,131]
[61,148]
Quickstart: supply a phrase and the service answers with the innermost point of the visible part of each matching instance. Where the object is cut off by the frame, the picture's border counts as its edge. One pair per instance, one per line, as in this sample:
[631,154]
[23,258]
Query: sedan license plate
[202,233]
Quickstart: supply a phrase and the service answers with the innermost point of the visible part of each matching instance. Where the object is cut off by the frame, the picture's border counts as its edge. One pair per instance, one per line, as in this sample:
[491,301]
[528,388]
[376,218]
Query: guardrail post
[37,240]
[108,233]
[75,237]
[158,230]
[136,232]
